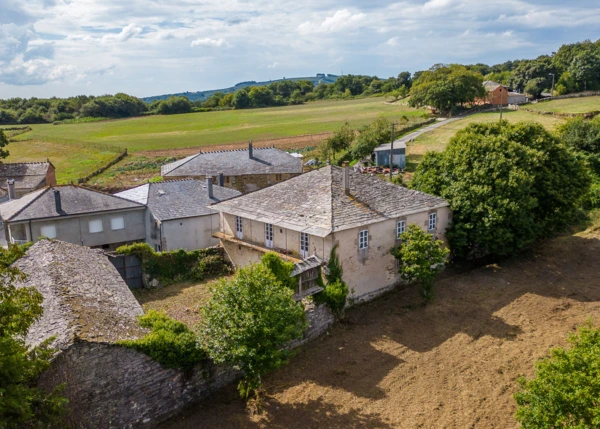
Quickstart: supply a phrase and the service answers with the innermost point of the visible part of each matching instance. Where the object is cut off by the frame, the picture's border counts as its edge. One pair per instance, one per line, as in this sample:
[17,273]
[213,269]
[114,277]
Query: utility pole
[392,151]
[501,103]
[552,74]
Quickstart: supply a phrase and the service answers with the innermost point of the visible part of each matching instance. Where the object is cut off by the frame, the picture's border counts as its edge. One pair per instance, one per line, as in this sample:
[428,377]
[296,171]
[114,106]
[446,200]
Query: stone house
[178,214]
[498,94]
[76,215]
[88,309]
[309,214]
[245,170]
[18,179]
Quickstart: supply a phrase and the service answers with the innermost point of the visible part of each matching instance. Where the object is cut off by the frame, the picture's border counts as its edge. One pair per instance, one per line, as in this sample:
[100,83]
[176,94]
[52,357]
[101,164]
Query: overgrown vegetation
[248,322]
[22,404]
[177,265]
[508,185]
[169,342]
[565,392]
[281,269]
[335,292]
[420,258]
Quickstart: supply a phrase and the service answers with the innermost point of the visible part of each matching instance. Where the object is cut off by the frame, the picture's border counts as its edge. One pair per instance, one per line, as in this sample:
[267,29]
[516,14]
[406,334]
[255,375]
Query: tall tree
[3,143]
[340,140]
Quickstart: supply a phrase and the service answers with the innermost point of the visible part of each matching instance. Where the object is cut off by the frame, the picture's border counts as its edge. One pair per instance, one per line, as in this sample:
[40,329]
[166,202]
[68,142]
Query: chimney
[250,154]
[346,176]
[12,192]
[209,186]
[57,201]
[221,180]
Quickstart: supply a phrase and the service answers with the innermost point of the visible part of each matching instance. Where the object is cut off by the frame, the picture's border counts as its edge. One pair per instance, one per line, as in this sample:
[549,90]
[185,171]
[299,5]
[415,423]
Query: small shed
[382,154]
[307,272]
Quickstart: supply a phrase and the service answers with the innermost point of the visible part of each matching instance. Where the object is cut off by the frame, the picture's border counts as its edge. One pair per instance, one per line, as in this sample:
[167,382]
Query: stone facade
[245,183]
[110,386]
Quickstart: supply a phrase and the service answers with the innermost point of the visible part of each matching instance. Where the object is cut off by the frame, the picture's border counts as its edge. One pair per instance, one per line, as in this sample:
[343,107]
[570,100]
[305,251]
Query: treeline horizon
[573,68]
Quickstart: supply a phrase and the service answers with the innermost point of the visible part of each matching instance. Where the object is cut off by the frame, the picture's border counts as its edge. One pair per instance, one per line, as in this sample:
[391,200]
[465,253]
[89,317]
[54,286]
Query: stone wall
[109,386]
[245,183]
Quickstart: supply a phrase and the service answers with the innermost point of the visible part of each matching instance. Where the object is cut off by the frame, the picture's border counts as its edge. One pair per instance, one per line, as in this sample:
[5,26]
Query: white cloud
[37,72]
[341,20]
[273,65]
[207,41]
[394,41]
[437,5]
[126,33]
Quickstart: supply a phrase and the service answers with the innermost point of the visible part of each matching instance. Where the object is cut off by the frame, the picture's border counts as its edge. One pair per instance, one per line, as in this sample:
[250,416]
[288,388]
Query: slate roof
[27,175]
[178,199]
[398,144]
[234,163]
[84,295]
[317,204]
[75,200]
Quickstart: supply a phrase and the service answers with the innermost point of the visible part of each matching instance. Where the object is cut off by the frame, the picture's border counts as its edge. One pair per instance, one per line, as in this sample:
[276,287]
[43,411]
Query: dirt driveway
[452,364]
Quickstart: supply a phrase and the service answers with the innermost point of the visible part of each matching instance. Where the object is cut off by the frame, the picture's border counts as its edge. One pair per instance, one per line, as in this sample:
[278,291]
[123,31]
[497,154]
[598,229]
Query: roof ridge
[331,228]
[191,157]
[25,162]
[18,212]
[235,150]
[96,191]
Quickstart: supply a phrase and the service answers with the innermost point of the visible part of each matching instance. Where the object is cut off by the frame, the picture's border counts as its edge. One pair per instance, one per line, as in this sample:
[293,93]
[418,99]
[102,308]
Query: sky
[149,47]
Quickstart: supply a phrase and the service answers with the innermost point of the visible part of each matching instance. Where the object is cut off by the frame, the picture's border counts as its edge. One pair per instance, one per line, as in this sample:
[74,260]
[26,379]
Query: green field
[568,105]
[438,139]
[209,128]
[78,149]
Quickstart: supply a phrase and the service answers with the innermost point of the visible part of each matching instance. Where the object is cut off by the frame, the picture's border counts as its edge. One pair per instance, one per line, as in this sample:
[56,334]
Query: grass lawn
[569,105]
[438,139]
[181,301]
[72,160]
[212,128]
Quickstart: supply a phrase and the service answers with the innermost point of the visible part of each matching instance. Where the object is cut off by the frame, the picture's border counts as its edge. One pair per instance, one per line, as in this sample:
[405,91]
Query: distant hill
[203,95]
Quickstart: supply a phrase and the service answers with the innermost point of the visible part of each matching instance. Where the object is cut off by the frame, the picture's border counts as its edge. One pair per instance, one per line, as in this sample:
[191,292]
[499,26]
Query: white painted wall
[190,233]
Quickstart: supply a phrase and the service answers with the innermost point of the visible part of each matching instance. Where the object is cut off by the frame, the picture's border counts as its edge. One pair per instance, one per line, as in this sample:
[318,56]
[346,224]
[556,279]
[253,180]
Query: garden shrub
[169,342]
[281,269]
[179,264]
[335,293]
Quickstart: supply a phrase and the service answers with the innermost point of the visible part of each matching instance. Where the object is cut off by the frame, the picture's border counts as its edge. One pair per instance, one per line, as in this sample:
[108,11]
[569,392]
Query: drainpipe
[30,231]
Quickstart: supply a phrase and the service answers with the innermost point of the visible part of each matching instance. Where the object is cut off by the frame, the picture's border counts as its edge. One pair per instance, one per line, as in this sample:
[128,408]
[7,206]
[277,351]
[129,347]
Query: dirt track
[281,143]
[452,364]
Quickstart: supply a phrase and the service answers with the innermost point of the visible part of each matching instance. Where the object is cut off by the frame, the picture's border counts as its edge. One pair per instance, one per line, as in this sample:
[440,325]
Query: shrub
[281,269]
[178,264]
[169,342]
[248,322]
[335,293]
[566,387]
[420,258]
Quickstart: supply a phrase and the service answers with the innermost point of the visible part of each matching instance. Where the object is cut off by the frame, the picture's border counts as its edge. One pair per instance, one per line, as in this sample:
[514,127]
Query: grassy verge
[568,105]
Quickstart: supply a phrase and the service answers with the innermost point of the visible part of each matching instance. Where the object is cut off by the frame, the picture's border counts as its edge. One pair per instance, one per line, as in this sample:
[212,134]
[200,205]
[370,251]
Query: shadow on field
[381,355]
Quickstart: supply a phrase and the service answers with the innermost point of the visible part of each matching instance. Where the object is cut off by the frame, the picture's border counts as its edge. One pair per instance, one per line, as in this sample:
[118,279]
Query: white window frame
[95,221]
[304,244]
[400,228]
[239,227]
[432,222]
[112,219]
[269,235]
[363,239]
[45,233]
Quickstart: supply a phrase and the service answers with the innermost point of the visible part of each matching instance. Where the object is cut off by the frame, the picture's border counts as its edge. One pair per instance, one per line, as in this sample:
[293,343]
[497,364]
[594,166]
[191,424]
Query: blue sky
[148,47]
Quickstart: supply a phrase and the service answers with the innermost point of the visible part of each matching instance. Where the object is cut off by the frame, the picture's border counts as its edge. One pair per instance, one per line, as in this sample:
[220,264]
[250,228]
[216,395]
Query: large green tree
[22,404]
[565,392]
[248,322]
[445,87]
[3,143]
[340,140]
[507,184]
[371,136]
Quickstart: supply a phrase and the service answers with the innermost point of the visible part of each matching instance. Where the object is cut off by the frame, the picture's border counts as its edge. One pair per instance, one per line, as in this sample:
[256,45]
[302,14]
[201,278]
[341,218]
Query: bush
[335,293]
[566,387]
[248,322]
[178,264]
[169,342]
[281,269]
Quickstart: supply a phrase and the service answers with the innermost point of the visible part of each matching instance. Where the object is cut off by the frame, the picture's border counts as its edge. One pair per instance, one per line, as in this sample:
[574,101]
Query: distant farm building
[382,154]
[18,179]
[500,95]
[245,170]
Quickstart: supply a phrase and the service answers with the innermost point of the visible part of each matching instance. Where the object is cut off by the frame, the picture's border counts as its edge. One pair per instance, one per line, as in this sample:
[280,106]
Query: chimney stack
[250,154]
[12,192]
[57,201]
[346,176]
[221,180]
[209,186]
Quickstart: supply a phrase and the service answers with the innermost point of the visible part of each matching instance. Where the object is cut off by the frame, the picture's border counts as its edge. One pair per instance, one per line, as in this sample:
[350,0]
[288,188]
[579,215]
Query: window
[117,223]
[363,239]
[400,228]
[432,221]
[227,179]
[239,228]
[303,245]
[48,231]
[278,177]
[269,235]
[95,226]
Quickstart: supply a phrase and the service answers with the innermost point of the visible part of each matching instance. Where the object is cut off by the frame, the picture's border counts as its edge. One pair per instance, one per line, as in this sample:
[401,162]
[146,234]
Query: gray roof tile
[27,175]
[234,163]
[75,200]
[177,199]
[316,202]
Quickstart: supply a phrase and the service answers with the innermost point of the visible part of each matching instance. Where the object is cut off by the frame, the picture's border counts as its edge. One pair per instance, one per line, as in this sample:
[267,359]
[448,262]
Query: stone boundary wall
[586,115]
[102,169]
[110,386]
